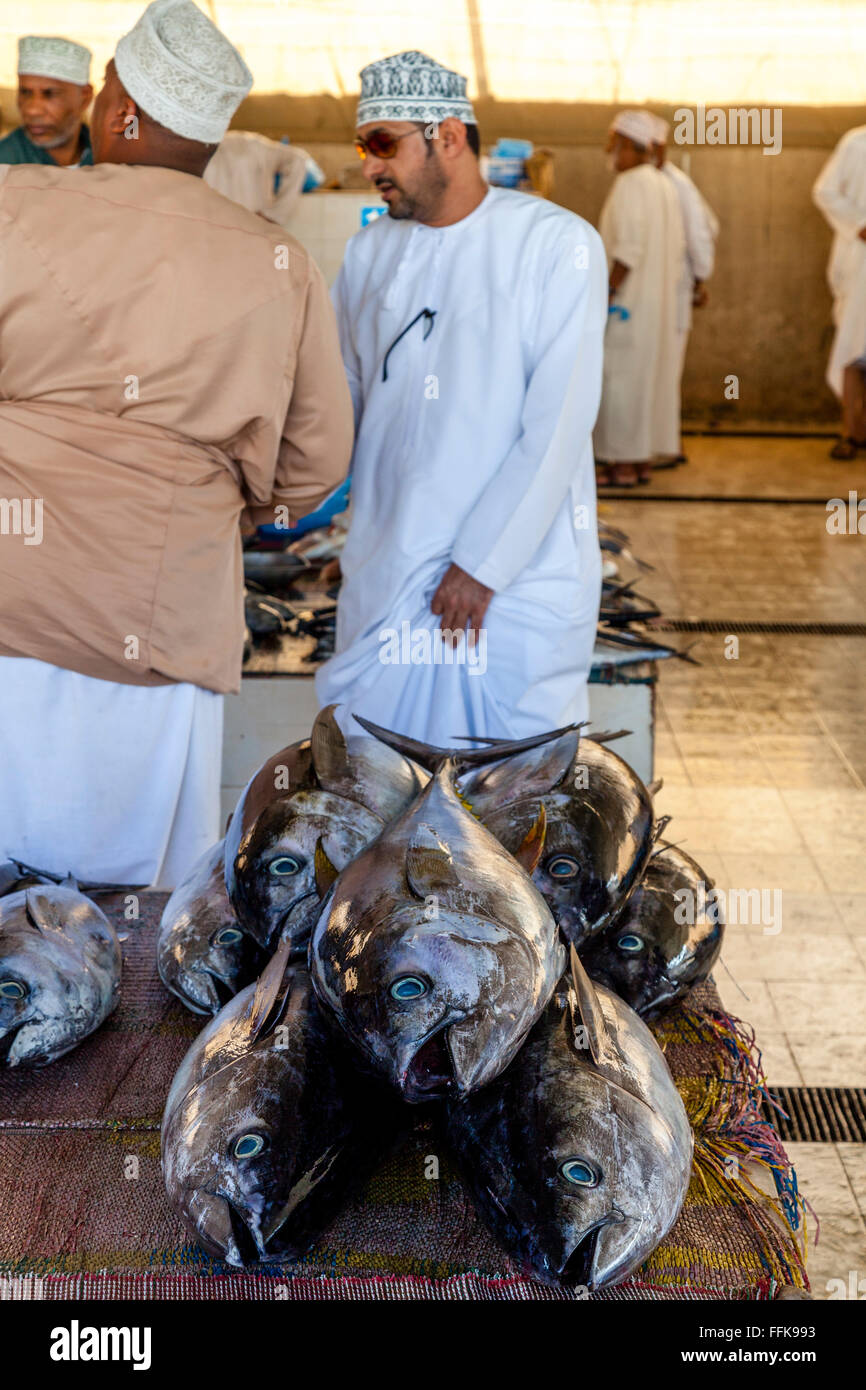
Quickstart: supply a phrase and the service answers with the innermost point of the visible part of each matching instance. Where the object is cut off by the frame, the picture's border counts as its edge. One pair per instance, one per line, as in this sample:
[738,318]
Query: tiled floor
[745,466]
[763,756]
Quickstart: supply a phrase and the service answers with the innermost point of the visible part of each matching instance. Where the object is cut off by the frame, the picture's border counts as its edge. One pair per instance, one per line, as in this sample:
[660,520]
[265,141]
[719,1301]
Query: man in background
[701,230]
[840,194]
[54,93]
[472,322]
[642,231]
[168,359]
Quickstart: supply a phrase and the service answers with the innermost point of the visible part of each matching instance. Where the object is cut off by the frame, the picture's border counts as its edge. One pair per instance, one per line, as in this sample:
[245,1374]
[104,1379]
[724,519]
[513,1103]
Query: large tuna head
[434,952]
[599,825]
[579,1170]
[203,954]
[314,804]
[666,940]
[59,973]
[263,1133]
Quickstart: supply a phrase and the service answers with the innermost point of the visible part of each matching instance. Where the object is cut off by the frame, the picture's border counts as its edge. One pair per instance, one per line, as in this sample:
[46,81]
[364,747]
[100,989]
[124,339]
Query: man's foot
[623,474]
[847,449]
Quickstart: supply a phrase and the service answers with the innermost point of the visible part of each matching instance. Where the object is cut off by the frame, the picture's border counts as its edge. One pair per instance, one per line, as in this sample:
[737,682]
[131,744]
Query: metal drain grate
[737,626]
[820,1114]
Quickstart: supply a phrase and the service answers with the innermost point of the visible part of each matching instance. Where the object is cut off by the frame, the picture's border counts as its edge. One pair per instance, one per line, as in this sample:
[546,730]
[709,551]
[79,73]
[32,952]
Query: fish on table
[267,1129]
[579,1156]
[434,951]
[665,941]
[305,814]
[203,954]
[60,964]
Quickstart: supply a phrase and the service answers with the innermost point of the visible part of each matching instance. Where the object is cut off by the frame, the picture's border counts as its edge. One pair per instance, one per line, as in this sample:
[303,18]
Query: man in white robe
[472,323]
[840,193]
[642,231]
[701,230]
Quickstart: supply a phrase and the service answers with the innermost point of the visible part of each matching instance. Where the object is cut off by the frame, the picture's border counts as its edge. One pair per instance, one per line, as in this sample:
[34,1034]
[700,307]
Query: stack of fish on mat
[428,918]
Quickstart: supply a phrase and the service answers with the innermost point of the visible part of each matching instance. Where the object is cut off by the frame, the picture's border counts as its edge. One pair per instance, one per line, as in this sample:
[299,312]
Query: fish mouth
[245,1249]
[430,1074]
[7,1042]
[577,1267]
[224,991]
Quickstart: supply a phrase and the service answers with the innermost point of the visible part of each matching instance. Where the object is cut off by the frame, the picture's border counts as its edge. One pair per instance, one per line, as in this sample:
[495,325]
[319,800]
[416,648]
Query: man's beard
[62,136]
[424,203]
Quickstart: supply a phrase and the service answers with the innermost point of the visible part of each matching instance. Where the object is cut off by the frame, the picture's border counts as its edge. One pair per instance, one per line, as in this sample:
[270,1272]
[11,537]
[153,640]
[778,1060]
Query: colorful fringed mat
[83,1211]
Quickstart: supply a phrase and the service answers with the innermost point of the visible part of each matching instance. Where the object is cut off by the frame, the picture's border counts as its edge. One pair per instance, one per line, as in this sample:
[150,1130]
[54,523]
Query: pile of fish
[481,931]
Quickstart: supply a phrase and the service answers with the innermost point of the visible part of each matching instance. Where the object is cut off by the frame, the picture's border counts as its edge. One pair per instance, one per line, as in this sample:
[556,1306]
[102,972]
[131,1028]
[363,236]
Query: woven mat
[83,1211]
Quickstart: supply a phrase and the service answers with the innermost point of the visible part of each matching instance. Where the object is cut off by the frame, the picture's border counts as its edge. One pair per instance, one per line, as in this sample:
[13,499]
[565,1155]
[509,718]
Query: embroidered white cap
[639,126]
[412,87]
[663,129]
[49,56]
[182,71]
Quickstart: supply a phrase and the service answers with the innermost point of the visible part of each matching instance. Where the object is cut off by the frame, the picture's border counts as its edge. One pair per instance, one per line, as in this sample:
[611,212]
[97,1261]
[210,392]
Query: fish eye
[284,866]
[409,987]
[11,989]
[579,1173]
[227,936]
[249,1145]
[630,943]
[562,866]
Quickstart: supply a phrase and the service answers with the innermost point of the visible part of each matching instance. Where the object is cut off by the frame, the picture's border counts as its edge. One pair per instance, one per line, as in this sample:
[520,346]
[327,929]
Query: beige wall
[768,320]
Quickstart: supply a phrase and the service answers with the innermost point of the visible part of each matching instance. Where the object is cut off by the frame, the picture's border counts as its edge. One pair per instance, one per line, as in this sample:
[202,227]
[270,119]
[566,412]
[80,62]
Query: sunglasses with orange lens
[381,144]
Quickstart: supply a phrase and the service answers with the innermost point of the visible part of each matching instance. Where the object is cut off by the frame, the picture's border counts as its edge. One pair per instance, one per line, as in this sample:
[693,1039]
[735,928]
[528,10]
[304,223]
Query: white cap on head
[182,71]
[48,56]
[412,87]
[639,126]
[662,127]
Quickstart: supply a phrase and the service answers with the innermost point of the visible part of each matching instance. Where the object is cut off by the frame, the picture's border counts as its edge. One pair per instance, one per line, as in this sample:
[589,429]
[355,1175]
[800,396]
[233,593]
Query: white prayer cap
[43,56]
[182,71]
[636,125]
[412,87]
[662,128]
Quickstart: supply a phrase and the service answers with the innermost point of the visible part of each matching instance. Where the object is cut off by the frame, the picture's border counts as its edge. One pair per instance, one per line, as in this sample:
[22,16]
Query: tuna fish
[60,965]
[598,814]
[203,954]
[600,827]
[579,1156]
[310,809]
[266,1128]
[666,940]
[434,951]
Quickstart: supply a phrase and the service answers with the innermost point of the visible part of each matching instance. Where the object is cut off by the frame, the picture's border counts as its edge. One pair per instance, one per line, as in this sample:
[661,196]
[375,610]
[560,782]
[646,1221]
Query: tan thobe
[166,358]
[246,168]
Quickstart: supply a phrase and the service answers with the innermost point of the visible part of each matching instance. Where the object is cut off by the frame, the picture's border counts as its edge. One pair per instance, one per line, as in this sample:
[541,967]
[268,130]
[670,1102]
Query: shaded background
[556,71]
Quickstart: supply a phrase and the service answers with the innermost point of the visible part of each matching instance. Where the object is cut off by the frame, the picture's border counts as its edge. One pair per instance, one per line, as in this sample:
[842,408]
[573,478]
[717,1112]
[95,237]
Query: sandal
[847,448]
[623,474]
[644,472]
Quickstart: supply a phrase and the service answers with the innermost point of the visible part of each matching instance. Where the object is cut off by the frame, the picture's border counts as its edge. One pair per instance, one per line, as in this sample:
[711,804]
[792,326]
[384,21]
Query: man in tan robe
[167,358]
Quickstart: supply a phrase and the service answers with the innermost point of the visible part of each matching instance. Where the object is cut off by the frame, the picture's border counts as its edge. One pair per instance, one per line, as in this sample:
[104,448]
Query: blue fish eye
[578,1173]
[11,989]
[562,866]
[409,987]
[228,936]
[630,943]
[249,1145]
[284,866]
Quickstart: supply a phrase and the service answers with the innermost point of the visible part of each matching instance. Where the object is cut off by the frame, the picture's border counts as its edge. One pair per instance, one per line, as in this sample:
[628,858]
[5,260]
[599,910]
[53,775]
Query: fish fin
[530,850]
[591,1015]
[524,771]
[326,872]
[330,754]
[660,827]
[607,736]
[269,990]
[430,756]
[38,909]
[655,786]
[429,864]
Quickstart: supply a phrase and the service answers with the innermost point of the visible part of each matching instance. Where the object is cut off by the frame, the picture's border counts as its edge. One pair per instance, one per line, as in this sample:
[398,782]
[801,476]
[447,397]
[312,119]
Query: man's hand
[699,294]
[462,602]
[862,234]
